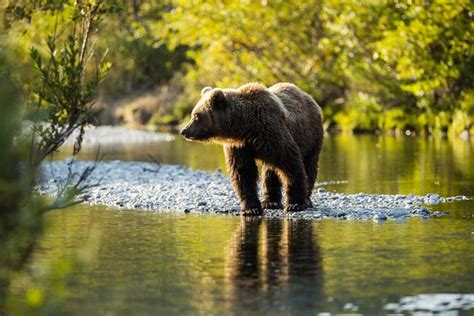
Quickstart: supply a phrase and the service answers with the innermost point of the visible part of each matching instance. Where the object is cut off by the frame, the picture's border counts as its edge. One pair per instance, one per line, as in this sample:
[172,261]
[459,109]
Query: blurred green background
[374,66]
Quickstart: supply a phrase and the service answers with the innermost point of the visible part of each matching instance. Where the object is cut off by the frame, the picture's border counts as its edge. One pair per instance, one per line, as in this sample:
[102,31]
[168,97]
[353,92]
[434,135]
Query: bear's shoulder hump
[252,88]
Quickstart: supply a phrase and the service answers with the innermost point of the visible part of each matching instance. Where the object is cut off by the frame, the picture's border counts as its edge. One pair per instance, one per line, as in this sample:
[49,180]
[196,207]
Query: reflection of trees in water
[401,165]
[274,266]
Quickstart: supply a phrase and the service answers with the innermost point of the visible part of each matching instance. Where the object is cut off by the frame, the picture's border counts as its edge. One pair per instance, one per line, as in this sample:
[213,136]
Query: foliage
[60,99]
[12,186]
[62,89]
[411,58]
[414,57]
[141,59]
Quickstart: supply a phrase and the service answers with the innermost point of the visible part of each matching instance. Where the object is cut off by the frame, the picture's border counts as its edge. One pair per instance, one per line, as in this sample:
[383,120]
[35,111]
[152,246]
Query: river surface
[137,262]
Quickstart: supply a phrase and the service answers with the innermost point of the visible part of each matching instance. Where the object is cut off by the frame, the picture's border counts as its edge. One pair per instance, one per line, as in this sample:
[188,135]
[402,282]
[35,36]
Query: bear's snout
[197,131]
[187,133]
[184,132]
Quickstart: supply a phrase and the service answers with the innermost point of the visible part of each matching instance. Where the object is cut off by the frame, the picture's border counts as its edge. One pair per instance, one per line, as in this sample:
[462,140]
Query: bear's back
[255,99]
[300,105]
[304,118]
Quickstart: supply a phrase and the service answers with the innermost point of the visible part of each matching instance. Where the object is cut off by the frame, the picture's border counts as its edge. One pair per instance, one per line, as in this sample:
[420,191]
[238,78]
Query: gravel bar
[152,187]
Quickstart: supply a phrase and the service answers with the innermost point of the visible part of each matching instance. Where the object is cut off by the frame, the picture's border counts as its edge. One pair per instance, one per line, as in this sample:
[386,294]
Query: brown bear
[280,126]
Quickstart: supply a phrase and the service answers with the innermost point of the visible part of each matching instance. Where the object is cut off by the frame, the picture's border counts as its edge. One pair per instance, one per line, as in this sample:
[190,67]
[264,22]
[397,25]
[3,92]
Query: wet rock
[460,198]
[351,307]
[221,211]
[341,214]
[379,217]
[421,211]
[433,199]
[399,212]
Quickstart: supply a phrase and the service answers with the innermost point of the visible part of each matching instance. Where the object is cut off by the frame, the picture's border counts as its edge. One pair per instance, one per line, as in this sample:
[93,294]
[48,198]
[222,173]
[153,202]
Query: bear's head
[207,117]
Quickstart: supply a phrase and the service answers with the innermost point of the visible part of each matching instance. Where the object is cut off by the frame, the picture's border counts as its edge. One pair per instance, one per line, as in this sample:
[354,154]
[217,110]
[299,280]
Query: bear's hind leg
[290,168]
[271,189]
[244,175]
[311,168]
[311,165]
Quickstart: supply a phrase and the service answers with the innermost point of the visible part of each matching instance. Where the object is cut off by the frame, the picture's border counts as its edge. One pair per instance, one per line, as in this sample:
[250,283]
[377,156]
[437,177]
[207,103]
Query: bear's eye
[197,117]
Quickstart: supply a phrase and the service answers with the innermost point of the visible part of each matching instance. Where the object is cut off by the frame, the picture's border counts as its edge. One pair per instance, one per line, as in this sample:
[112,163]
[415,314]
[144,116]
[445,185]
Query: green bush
[361,114]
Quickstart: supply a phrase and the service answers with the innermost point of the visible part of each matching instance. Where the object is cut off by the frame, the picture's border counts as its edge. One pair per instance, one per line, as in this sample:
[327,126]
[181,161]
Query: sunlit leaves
[416,56]
[66,81]
[404,54]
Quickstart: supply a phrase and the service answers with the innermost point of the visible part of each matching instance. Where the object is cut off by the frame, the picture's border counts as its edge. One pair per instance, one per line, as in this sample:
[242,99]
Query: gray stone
[322,190]
[379,217]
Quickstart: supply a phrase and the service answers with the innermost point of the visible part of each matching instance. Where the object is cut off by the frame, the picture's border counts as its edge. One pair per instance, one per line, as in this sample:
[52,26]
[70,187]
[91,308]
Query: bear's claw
[295,208]
[251,212]
[272,205]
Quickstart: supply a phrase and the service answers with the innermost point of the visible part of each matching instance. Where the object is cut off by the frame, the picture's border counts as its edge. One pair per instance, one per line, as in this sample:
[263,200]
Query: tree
[363,61]
[61,100]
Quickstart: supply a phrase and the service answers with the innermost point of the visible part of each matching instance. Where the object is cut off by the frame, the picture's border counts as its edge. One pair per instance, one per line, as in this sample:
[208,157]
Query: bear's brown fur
[280,126]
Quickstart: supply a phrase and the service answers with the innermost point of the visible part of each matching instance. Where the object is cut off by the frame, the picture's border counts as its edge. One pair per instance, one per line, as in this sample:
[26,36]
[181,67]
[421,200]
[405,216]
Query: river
[138,262]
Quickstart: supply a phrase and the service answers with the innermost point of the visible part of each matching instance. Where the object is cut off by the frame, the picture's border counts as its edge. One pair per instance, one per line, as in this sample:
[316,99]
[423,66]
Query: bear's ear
[205,90]
[218,98]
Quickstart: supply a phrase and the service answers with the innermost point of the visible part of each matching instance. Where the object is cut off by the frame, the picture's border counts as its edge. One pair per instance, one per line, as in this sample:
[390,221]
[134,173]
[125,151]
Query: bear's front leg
[271,189]
[244,175]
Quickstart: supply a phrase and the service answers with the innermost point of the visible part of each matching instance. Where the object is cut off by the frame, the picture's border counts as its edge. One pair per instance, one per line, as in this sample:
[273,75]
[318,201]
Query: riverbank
[175,188]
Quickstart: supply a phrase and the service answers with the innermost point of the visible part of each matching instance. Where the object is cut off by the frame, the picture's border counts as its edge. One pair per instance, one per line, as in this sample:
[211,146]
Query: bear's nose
[184,132]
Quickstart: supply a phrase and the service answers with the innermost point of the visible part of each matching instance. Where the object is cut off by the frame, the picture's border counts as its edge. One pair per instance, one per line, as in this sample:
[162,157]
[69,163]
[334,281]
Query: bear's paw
[252,211]
[272,205]
[290,208]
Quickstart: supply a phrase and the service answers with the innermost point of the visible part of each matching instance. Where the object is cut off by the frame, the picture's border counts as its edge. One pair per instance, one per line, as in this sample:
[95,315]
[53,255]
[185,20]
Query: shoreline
[112,135]
[175,188]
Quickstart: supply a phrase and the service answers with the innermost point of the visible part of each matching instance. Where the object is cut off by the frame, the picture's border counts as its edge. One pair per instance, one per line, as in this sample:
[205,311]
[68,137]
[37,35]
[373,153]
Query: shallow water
[370,164]
[151,263]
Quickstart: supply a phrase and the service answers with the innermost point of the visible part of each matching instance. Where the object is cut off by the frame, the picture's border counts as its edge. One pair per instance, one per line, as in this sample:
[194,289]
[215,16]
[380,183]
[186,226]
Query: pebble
[379,217]
[178,188]
[351,307]
[399,212]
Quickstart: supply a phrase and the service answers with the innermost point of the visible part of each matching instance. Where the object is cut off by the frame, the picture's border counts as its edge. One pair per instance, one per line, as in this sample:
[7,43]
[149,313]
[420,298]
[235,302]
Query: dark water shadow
[274,266]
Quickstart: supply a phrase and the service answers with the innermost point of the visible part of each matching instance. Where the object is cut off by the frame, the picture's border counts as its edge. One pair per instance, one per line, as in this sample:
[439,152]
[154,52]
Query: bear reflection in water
[273,266]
